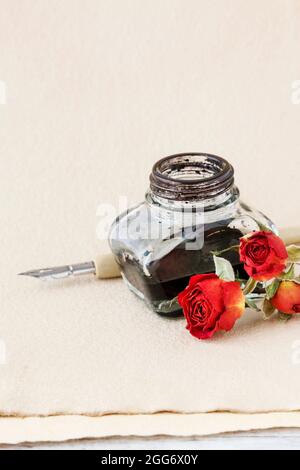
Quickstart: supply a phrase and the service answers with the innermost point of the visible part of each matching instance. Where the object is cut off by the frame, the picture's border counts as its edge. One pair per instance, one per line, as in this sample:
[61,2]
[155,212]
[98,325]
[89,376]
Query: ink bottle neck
[191,177]
[195,182]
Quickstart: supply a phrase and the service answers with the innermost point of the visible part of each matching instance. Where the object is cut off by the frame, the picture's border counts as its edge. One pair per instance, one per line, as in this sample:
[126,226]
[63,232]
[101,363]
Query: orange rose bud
[287,298]
[211,304]
[264,255]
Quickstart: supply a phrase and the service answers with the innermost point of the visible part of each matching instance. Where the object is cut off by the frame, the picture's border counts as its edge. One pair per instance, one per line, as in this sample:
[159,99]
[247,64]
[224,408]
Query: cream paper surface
[62,428]
[92,94]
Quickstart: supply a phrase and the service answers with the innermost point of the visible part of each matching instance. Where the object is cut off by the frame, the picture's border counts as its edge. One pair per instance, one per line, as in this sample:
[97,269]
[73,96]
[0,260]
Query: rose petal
[234,301]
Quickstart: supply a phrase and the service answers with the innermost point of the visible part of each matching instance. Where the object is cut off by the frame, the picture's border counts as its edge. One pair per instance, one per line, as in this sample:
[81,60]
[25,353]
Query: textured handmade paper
[95,93]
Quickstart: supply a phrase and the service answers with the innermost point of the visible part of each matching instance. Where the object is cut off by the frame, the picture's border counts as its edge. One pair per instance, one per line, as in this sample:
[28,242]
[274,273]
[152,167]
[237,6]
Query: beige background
[97,91]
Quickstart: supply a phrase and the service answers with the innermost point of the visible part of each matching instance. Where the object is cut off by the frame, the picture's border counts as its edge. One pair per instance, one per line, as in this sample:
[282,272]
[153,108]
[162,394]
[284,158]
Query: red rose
[264,255]
[287,297]
[211,304]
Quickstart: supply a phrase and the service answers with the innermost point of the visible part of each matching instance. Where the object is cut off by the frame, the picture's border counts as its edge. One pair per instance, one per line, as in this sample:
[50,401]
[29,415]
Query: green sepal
[284,316]
[252,304]
[268,309]
[263,227]
[272,288]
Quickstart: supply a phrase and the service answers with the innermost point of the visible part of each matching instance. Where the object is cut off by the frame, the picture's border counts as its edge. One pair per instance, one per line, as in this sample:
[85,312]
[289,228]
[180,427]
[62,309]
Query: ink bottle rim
[191,176]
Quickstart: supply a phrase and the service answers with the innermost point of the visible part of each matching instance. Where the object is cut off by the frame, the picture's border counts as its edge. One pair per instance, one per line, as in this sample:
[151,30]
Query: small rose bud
[287,297]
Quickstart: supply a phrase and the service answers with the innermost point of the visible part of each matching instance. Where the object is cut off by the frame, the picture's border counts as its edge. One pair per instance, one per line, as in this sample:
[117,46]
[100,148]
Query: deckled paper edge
[68,427]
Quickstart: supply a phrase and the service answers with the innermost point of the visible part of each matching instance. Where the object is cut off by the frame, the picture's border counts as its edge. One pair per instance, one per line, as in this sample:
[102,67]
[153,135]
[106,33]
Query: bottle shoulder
[161,247]
[146,226]
[140,217]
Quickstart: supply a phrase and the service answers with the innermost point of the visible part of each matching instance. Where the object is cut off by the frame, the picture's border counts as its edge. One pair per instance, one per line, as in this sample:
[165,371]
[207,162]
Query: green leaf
[288,275]
[224,269]
[168,306]
[268,309]
[252,304]
[250,286]
[271,289]
[294,253]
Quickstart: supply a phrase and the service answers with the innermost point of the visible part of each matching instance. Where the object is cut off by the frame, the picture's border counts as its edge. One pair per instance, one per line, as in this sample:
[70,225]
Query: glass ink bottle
[191,209]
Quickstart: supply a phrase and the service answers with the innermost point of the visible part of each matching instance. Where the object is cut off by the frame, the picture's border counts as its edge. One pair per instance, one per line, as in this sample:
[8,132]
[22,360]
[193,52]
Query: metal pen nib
[61,272]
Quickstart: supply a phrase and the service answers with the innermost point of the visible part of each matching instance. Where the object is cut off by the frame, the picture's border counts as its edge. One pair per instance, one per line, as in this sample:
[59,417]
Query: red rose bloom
[264,255]
[211,304]
[287,297]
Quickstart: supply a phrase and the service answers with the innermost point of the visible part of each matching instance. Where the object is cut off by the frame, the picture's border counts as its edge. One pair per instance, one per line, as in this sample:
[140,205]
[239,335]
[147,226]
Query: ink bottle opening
[191,209]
